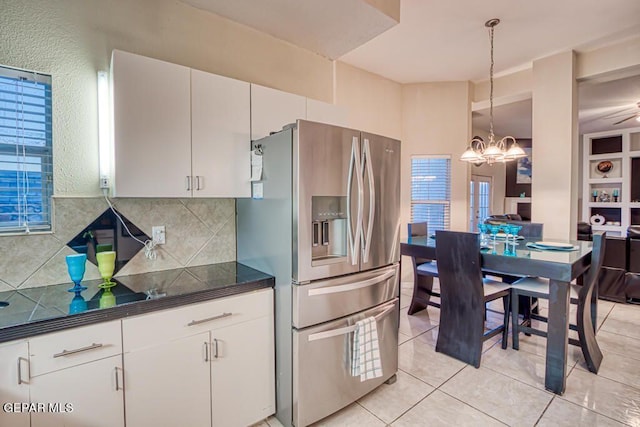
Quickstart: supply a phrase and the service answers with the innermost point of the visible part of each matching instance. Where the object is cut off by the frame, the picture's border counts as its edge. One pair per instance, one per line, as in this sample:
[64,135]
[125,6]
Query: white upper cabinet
[323,112]
[220,132]
[271,109]
[151,126]
[178,132]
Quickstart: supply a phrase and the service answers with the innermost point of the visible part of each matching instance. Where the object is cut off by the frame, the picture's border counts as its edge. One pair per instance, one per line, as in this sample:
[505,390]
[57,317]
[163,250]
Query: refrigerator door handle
[346,329]
[352,286]
[355,167]
[366,156]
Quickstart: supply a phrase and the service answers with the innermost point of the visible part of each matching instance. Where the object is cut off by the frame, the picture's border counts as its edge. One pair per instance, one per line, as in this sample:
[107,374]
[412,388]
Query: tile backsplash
[198,232]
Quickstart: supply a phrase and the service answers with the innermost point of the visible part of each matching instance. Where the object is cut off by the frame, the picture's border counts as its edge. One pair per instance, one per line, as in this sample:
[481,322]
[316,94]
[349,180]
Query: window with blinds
[26,175]
[431,191]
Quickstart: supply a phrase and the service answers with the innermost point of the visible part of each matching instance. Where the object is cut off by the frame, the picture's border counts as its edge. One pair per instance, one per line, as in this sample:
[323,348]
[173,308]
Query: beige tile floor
[508,389]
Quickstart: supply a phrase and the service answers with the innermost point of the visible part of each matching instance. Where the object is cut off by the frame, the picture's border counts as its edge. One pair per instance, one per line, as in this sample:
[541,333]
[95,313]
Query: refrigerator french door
[346,201]
[327,227]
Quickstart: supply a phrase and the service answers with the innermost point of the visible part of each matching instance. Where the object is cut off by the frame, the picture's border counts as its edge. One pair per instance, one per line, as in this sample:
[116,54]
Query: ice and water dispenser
[329,228]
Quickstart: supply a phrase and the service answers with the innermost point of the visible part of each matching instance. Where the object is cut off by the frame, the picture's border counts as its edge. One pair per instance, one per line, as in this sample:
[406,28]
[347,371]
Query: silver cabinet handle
[352,286]
[215,343]
[115,370]
[20,380]
[198,183]
[77,350]
[366,159]
[220,316]
[188,183]
[206,351]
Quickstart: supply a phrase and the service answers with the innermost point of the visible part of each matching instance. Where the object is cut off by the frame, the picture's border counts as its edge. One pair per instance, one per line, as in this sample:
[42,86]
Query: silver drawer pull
[220,316]
[77,350]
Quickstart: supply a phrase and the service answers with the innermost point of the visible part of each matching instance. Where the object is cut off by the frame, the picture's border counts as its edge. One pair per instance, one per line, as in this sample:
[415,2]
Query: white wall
[554,184]
[436,119]
[374,103]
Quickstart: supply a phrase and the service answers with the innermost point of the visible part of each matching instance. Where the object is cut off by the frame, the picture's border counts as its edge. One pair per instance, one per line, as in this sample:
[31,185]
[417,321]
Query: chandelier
[478,151]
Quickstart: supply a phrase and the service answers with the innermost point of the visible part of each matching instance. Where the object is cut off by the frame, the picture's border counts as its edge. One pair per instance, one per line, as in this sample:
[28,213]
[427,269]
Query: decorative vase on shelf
[75,267]
[604,197]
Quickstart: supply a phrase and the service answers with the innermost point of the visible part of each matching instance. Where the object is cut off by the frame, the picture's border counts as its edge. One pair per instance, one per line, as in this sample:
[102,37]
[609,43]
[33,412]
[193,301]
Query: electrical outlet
[158,234]
[104,182]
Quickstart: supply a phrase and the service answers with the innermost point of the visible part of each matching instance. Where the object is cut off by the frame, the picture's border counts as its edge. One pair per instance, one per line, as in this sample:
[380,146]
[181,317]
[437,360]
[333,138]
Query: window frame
[446,221]
[42,152]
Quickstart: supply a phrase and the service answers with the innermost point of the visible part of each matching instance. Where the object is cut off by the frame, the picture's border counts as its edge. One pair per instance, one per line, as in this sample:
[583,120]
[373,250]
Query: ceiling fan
[635,115]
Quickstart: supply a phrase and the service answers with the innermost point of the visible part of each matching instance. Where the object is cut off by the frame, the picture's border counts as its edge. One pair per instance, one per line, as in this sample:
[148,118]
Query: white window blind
[26,175]
[431,191]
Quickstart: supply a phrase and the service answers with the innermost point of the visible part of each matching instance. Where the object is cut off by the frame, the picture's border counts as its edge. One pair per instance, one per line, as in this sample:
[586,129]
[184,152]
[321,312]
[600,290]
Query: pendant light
[478,151]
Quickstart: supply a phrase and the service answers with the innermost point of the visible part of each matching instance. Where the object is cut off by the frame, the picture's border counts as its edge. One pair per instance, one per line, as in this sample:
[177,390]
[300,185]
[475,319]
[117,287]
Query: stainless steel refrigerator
[327,227]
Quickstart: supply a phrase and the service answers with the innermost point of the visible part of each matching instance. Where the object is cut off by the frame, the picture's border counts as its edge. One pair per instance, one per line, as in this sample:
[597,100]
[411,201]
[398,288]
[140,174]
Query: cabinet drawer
[155,328]
[73,347]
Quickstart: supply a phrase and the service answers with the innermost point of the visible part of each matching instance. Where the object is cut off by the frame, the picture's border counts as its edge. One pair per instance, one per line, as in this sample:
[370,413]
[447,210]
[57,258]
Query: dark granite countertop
[46,309]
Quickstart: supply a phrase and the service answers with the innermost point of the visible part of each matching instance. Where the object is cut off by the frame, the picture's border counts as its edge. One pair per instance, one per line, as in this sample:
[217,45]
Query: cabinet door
[83,395]
[272,109]
[152,126]
[169,384]
[318,111]
[220,126]
[243,354]
[14,386]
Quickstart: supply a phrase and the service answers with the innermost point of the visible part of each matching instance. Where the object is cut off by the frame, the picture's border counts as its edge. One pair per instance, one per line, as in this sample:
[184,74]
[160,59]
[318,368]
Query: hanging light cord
[491,25]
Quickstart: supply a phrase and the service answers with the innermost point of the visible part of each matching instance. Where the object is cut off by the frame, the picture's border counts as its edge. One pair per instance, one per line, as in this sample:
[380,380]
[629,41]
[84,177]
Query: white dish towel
[365,357]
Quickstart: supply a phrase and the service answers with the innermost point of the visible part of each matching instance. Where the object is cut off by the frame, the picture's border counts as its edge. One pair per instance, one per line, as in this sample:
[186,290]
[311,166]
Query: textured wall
[198,232]
[73,39]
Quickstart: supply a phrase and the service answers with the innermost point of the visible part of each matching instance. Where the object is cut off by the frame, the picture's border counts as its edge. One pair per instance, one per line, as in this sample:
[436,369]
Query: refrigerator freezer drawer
[322,381]
[325,300]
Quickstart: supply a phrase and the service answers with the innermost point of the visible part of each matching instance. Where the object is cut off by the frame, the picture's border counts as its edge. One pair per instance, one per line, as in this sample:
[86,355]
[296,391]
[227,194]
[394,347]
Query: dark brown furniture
[424,270]
[620,274]
[583,296]
[464,294]
[561,268]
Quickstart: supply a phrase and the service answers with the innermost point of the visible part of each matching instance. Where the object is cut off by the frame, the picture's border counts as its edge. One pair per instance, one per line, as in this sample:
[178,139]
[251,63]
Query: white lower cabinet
[213,363]
[84,395]
[14,383]
[243,373]
[206,364]
[168,384]
[71,378]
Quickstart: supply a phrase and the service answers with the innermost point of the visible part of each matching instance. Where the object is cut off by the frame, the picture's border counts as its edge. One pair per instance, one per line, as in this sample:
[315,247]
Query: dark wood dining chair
[583,296]
[424,270]
[464,294]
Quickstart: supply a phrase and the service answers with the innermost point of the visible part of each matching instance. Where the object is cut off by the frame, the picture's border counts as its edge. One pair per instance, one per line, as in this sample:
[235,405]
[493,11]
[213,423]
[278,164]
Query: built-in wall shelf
[605,205]
[611,184]
[606,180]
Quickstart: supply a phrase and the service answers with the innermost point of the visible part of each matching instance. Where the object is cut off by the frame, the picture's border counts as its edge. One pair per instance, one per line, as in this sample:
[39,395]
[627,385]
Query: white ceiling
[440,40]
[446,40]
[326,27]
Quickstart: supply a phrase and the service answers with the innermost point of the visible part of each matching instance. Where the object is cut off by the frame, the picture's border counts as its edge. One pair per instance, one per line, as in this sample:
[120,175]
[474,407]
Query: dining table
[559,266]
